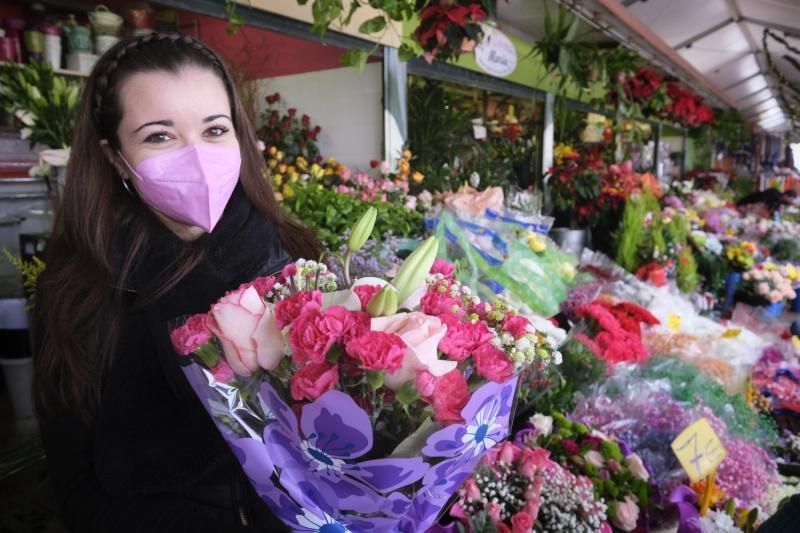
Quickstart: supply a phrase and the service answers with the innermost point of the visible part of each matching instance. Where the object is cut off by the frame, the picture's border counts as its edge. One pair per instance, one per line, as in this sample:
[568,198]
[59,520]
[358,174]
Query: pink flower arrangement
[517,488]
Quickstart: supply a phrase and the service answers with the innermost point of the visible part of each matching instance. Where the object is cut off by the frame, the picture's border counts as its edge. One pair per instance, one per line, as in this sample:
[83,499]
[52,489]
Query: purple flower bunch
[578,297]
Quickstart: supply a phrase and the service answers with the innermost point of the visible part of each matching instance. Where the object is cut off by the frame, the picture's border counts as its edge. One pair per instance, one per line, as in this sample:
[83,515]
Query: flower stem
[348,256]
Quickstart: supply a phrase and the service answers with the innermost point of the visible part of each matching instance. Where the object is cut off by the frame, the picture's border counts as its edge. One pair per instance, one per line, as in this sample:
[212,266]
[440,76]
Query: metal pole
[395,105]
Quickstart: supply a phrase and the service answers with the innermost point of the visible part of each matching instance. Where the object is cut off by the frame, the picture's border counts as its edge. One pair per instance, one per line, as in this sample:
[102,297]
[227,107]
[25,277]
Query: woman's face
[163,111]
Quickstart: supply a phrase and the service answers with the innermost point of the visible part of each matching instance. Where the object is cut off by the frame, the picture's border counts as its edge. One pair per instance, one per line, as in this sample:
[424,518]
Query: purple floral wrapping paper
[311,469]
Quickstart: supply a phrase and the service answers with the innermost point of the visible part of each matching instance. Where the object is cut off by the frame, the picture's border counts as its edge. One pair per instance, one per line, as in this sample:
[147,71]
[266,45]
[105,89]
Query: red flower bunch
[686,107]
[575,185]
[446,26]
[617,337]
[287,135]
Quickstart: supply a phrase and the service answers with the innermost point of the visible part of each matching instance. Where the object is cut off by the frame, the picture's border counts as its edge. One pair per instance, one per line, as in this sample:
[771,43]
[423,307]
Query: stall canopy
[725,41]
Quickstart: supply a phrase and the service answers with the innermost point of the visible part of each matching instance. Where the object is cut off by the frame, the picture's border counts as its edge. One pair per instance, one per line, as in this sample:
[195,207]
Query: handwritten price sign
[699,450]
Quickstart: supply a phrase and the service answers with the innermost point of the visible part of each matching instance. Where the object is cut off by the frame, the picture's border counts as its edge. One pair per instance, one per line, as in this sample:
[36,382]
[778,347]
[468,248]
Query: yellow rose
[277,179]
[407,154]
[418,177]
[282,168]
[279,156]
[272,150]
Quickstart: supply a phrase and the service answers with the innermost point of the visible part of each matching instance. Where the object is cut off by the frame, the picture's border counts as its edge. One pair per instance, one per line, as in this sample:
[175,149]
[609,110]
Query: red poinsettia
[447,24]
[686,107]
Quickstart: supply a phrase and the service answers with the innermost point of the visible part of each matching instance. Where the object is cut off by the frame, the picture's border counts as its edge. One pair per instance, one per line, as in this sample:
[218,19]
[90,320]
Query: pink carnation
[191,335]
[223,373]
[440,304]
[449,397]
[517,326]
[445,268]
[463,338]
[522,522]
[378,350]
[493,363]
[287,311]
[264,285]
[311,381]
[315,332]
[365,294]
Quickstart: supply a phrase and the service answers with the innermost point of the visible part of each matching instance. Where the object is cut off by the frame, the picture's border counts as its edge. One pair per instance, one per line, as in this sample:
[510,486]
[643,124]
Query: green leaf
[407,394]
[373,25]
[355,58]
[406,52]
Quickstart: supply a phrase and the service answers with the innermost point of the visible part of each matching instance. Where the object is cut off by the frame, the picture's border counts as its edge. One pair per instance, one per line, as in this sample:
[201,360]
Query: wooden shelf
[70,73]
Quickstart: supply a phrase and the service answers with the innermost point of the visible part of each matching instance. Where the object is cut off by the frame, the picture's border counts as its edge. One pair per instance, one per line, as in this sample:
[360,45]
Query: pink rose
[365,294]
[287,311]
[421,334]
[595,458]
[449,397]
[508,453]
[637,468]
[493,510]
[605,528]
[627,514]
[191,335]
[533,460]
[311,381]
[516,325]
[471,490]
[439,304]
[378,350]
[247,330]
[445,268]
[457,511]
[493,363]
[313,333]
[521,522]
[222,373]
[264,285]
[463,338]
[500,527]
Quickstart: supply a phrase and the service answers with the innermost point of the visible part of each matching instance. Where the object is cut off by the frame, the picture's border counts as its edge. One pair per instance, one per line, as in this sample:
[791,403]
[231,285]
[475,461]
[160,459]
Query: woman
[165,208]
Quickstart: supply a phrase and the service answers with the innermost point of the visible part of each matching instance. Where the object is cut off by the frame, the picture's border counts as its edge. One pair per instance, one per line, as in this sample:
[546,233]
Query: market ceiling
[714,45]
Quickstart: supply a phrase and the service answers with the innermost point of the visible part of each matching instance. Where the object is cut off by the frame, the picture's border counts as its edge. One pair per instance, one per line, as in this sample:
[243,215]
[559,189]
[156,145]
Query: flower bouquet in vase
[361,409]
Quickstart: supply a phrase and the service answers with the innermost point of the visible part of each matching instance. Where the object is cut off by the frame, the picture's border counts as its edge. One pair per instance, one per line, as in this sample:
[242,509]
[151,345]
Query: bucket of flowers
[362,408]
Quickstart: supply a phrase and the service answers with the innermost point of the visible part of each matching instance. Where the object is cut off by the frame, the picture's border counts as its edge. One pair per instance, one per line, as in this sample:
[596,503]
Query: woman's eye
[216,131]
[160,137]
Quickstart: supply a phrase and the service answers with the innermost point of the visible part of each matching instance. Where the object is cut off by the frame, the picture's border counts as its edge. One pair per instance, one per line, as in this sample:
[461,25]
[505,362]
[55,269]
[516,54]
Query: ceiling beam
[766,112]
[705,33]
[764,101]
[788,30]
[736,59]
[769,86]
[744,80]
[754,45]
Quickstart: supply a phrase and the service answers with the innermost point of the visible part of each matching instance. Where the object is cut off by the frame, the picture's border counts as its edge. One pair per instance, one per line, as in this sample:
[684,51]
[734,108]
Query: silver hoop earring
[127,187]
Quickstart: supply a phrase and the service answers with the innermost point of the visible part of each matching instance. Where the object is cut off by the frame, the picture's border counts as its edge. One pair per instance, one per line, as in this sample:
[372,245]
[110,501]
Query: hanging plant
[449,28]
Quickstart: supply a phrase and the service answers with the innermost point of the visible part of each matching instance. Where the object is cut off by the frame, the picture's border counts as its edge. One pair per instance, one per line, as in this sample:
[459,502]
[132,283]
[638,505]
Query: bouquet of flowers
[518,488]
[616,331]
[741,255]
[362,409]
[770,282]
[619,476]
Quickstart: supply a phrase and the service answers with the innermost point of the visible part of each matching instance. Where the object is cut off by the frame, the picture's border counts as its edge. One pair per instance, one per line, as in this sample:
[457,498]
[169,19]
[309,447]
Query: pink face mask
[191,184]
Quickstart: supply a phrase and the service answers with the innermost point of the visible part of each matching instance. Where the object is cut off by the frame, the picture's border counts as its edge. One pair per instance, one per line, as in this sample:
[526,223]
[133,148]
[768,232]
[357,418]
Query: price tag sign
[731,333]
[674,322]
[699,450]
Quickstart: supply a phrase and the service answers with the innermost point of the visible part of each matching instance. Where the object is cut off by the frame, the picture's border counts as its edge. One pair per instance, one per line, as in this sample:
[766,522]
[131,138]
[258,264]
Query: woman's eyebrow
[167,123]
[212,118]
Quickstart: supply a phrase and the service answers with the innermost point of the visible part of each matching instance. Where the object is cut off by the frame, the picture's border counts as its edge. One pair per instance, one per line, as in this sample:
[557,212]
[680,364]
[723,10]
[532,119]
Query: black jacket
[153,460]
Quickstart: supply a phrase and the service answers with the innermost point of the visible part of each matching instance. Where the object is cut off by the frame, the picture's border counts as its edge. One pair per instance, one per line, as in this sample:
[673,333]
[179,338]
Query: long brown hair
[82,297]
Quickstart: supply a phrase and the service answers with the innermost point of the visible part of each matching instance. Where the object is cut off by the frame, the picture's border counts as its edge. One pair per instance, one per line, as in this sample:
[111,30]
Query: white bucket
[18,374]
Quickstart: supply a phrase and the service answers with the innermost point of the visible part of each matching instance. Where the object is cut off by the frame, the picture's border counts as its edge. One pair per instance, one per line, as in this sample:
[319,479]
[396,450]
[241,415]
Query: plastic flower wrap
[619,476]
[519,488]
[360,409]
[497,261]
[645,415]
